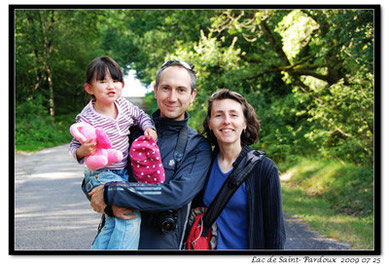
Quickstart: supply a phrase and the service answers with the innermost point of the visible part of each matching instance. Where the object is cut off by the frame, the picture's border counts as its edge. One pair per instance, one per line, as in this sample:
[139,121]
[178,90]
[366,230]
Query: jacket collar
[167,123]
[243,153]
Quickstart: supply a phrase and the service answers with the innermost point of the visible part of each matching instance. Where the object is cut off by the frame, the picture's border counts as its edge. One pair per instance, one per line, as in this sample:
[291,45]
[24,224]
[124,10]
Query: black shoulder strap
[181,144]
[233,182]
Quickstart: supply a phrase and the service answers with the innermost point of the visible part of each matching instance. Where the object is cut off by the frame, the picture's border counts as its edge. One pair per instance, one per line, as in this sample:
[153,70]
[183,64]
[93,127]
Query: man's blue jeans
[117,234]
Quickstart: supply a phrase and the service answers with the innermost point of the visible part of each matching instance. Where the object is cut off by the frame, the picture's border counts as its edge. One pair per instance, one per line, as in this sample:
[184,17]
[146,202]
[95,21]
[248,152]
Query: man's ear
[155,91]
[88,88]
[193,95]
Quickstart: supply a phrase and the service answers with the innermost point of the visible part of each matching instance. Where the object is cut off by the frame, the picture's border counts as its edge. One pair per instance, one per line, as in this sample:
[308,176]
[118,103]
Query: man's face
[173,93]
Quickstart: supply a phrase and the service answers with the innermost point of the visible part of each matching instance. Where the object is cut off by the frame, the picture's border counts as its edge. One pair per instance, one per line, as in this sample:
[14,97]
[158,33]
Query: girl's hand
[151,132]
[86,149]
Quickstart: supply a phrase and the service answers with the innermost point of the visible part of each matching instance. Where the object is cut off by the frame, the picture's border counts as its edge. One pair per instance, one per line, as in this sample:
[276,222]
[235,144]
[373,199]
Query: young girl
[115,115]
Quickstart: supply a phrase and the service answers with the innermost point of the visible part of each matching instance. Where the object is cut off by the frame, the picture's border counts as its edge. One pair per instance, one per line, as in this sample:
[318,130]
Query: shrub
[34,129]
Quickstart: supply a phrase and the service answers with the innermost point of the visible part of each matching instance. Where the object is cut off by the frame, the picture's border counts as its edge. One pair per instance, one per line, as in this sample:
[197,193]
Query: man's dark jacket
[182,184]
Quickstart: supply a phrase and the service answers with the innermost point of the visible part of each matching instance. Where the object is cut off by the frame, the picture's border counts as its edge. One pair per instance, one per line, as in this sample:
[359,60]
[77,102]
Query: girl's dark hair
[98,67]
[253,124]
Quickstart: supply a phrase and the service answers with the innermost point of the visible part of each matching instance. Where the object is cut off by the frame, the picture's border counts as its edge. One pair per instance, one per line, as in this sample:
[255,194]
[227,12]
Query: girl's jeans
[117,234]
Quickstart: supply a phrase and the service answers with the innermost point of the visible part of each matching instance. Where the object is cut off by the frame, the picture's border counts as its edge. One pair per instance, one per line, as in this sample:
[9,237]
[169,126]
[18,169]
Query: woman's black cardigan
[266,223]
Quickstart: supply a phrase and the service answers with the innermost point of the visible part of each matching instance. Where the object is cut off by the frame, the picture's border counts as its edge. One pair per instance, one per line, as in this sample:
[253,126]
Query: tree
[318,62]
[46,43]
[144,39]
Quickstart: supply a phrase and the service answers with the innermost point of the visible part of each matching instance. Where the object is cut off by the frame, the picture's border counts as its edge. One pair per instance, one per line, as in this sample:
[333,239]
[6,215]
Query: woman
[253,217]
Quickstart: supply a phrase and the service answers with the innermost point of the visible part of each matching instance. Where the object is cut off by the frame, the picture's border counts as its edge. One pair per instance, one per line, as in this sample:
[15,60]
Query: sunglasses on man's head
[178,62]
[231,92]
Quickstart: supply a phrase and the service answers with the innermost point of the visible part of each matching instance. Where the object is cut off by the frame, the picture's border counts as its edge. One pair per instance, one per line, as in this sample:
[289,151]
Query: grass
[38,133]
[319,193]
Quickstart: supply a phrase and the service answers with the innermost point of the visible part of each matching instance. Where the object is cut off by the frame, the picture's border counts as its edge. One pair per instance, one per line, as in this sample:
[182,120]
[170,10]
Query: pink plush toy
[104,155]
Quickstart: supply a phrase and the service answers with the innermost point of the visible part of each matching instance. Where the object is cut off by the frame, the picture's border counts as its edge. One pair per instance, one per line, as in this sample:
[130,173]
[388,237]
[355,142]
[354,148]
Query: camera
[167,221]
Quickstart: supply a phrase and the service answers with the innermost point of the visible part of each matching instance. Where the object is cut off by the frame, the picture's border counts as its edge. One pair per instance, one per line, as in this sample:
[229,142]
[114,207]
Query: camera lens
[168,225]
[167,221]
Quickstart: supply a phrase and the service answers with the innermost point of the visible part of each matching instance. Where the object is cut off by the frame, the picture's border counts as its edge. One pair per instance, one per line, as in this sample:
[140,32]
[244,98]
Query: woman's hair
[98,68]
[251,134]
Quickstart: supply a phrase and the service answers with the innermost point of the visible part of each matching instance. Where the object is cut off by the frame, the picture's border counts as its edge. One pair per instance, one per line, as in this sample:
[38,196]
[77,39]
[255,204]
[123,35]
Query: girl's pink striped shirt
[116,129]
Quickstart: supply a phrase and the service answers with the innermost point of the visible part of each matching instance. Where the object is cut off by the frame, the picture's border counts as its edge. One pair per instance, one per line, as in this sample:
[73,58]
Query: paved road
[51,212]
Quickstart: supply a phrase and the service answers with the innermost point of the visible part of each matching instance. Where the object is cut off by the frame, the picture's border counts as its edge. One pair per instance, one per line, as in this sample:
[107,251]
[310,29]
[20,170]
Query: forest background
[309,73]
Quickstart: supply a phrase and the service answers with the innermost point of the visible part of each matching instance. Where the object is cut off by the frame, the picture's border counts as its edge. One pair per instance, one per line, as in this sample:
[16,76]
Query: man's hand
[123,213]
[97,199]
[98,205]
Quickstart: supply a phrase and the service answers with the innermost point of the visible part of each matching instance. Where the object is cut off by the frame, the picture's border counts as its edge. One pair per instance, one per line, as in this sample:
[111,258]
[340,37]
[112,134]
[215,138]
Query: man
[165,207]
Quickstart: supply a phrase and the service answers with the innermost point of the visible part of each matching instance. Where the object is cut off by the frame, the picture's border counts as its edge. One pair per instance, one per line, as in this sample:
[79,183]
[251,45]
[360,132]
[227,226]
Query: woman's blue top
[233,221]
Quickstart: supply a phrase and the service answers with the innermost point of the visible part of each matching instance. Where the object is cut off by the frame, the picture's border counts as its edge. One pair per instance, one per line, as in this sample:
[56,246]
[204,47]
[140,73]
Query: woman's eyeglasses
[178,62]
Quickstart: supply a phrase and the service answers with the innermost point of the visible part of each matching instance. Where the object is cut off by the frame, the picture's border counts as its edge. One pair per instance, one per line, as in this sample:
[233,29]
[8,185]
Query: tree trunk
[51,94]
[281,54]
[48,48]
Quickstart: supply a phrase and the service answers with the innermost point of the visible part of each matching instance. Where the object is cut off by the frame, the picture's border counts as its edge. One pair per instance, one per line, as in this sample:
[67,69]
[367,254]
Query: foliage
[309,73]
[311,87]
[142,39]
[344,122]
[53,48]
[34,130]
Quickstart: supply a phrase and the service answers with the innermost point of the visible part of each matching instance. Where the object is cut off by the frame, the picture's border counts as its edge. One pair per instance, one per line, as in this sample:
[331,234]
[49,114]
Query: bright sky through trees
[132,86]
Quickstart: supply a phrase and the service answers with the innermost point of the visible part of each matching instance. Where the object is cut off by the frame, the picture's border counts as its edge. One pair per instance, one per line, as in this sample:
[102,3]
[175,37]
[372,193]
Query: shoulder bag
[202,221]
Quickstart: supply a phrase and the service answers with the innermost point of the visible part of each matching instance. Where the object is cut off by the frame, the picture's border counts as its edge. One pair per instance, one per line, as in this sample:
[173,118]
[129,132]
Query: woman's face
[227,121]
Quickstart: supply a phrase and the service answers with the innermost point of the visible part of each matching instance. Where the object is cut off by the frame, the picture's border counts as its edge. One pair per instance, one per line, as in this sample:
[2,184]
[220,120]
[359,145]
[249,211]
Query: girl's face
[227,121]
[105,91]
